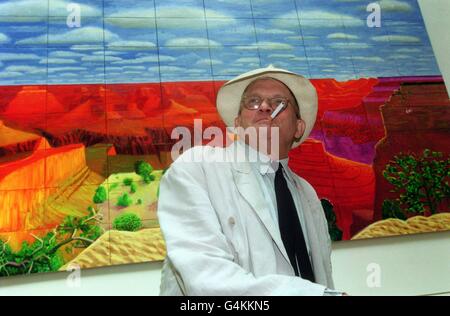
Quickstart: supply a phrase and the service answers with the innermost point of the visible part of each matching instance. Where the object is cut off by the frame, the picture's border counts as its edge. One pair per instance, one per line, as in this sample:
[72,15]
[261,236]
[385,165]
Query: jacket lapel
[310,213]
[248,187]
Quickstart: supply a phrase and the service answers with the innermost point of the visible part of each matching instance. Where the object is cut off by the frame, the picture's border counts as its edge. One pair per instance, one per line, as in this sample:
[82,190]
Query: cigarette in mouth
[277,110]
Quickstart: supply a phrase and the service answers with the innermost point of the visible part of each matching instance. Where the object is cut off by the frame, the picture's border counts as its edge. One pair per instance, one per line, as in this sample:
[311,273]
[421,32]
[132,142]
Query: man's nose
[265,106]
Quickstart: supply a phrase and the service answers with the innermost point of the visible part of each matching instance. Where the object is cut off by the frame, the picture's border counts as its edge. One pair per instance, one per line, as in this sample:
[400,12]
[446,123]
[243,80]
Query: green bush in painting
[392,209]
[113,186]
[144,169]
[124,200]
[133,188]
[127,181]
[44,254]
[100,195]
[127,222]
[333,229]
[421,181]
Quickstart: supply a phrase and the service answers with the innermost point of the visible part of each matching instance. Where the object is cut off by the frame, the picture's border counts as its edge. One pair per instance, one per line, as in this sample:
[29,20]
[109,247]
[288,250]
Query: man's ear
[301,126]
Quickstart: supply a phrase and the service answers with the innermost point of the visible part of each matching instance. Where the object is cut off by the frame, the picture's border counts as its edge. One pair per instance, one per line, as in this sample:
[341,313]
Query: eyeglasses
[255,102]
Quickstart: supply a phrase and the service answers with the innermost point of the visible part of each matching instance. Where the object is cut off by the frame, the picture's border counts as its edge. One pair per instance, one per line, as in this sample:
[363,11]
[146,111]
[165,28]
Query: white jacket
[220,237]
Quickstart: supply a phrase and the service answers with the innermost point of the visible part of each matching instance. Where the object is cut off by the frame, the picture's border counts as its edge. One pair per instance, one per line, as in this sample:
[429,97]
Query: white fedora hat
[229,96]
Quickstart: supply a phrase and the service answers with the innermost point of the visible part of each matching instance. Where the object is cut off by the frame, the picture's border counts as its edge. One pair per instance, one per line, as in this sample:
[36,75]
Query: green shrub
[124,200]
[133,188]
[392,209]
[149,178]
[127,222]
[44,255]
[333,229]
[142,168]
[100,195]
[128,181]
[420,181]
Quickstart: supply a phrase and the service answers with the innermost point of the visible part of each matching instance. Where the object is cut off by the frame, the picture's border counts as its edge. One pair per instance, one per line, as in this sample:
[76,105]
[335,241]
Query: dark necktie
[290,228]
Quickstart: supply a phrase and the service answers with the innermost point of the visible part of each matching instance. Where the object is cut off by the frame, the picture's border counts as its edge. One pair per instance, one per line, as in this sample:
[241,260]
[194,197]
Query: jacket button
[231,221]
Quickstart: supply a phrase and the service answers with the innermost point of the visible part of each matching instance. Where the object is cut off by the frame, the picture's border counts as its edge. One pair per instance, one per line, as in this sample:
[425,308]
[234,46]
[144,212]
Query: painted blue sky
[122,41]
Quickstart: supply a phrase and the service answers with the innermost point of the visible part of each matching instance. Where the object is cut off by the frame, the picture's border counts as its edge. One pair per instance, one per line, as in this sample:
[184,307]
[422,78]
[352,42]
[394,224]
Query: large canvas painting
[90,91]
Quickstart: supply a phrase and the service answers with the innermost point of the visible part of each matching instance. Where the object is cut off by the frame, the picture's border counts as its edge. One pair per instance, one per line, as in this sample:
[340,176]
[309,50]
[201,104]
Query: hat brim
[229,96]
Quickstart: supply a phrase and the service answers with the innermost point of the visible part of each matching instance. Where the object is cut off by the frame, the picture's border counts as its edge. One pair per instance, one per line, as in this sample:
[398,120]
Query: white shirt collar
[264,163]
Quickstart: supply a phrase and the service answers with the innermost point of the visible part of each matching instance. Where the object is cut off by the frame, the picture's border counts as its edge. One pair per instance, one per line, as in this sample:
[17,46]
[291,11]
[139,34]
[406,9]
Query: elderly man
[235,226]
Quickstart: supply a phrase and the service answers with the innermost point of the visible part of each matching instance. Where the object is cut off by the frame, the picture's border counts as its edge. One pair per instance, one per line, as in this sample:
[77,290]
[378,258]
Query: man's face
[290,127]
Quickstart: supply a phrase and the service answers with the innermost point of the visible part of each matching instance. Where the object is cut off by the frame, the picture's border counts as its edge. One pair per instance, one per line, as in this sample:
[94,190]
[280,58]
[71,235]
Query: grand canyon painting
[90,92]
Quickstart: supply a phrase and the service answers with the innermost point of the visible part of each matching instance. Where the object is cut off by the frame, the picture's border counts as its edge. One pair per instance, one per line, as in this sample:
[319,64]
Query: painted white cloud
[146,59]
[295,38]
[271,31]
[4,38]
[190,13]
[132,23]
[70,75]
[65,54]
[318,59]
[395,6]
[373,59]
[386,5]
[198,71]
[286,56]
[208,62]
[350,45]
[170,17]
[9,74]
[408,50]
[396,38]
[135,12]
[342,36]
[166,69]
[16,57]
[26,69]
[62,69]
[133,68]
[274,46]
[230,71]
[401,56]
[132,72]
[315,19]
[110,53]
[89,35]
[191,42]
[58,61]
[131,45]
[38,10]
[246,60]
[59,8]
[302,38]
[86,47]
[100,58]
[246,48]
[265,46]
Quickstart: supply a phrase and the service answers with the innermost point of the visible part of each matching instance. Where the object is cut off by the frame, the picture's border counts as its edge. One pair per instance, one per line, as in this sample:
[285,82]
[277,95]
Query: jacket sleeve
[197,248]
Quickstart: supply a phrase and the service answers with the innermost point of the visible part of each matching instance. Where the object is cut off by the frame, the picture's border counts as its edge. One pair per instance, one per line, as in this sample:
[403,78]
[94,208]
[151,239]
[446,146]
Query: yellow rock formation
[414,225]
[117,247]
